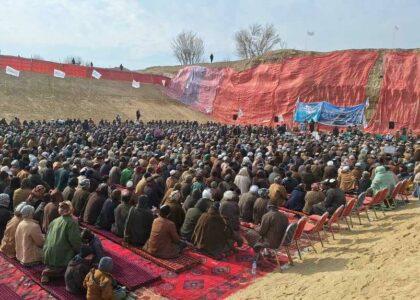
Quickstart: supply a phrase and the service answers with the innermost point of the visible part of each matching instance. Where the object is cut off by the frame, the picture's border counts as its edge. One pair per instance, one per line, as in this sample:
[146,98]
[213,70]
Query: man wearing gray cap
[5,214]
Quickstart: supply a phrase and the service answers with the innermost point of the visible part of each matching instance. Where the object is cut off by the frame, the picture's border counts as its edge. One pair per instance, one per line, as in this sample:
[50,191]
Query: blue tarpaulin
[328,114]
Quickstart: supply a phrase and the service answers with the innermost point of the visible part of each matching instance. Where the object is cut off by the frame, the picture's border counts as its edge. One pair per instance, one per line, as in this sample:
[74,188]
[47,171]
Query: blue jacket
[296,200]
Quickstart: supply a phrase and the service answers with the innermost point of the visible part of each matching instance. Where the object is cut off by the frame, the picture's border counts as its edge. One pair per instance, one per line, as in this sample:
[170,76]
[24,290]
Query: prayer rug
[180,264]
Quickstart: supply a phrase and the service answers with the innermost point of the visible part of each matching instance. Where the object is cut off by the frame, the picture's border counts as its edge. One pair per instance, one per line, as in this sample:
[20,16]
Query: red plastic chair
[373,202]
[335,218]
[298,234]
[396,191]
[347,212]
[316,228]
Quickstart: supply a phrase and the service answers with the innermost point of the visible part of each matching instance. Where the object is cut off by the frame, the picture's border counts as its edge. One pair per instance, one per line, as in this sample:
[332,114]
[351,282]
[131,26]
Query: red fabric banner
[261,93]
[47,67]
[399,99]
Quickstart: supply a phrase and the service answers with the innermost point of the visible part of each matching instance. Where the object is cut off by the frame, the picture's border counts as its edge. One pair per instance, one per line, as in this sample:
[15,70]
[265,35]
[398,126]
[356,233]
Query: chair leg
[358,215]
[298,249]
[347,222]
[351,221]
[277,259]
[332,231]
[311,242]
[320,238]
[289,256]
[367,215]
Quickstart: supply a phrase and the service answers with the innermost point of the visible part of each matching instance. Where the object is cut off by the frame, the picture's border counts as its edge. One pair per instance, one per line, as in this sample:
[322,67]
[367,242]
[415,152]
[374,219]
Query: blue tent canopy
[328,114]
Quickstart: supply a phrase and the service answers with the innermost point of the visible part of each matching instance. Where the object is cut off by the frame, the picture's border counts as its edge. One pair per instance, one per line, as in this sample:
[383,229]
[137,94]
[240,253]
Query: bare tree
[257,40]
[188,48]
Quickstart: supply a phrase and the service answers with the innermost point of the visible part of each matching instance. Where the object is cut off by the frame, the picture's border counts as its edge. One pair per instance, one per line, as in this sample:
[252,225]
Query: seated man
[80,197]
[106,217]
[212,235]
[246,204]
[5,213]
[164,241]
[177,214]
[92,241]
[8,243]
[62,243]
[346,180]
[139,223]
[271,230]
[314,196]
[77,269]
[296,200]
[260,206]
[29,238]
[277,192]
[334,198]
[100,284]
[94,204]
[121,213]
[191,218]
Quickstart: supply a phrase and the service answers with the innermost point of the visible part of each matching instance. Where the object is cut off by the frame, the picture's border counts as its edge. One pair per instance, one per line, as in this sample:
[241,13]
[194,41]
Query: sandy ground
[376,261]
[36,97]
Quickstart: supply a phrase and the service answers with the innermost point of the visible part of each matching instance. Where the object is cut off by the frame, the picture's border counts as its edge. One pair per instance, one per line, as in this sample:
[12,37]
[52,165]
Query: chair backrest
[300,226]
[396,189]
[289,234]
[381,196]
[336,215]
[349,207]
[360,200]
[404,186]
[319,225]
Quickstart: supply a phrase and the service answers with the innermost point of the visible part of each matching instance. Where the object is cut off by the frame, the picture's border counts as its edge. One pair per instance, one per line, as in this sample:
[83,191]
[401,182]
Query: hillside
[372,88]
[36,96]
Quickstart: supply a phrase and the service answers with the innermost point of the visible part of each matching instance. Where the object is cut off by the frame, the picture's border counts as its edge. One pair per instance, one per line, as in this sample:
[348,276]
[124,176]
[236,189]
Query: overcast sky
[137,33]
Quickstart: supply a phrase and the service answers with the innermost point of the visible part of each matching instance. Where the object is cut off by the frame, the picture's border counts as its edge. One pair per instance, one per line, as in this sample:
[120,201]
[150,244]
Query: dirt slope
[380,261]
[35,96]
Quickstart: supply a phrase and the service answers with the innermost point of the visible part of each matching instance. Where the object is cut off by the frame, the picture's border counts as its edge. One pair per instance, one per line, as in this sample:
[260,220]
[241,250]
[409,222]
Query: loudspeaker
[391,125]
[235,117]
[276,119]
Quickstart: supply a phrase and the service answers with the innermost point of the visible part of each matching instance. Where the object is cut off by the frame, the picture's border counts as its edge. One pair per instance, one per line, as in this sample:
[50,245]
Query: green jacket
[126,175]
[62,243]
[383,180]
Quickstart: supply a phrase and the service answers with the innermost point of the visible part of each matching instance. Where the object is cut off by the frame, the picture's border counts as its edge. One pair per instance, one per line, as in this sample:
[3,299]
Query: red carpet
[177,265]
[129,270]
[19,283]
[180,264]
[56,288]
[105,233]
[7,293]
[211,280]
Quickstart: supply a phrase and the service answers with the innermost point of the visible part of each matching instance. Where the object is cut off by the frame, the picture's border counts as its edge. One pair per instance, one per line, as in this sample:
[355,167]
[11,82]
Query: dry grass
[36,96]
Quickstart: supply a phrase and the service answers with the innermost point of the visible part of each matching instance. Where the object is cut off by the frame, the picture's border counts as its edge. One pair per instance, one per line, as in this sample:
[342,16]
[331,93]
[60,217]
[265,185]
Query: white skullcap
[330,163]
[346,168]
[27,210]
[207,194]
[254,189]
[129,184]
[19,207]
[228,195]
